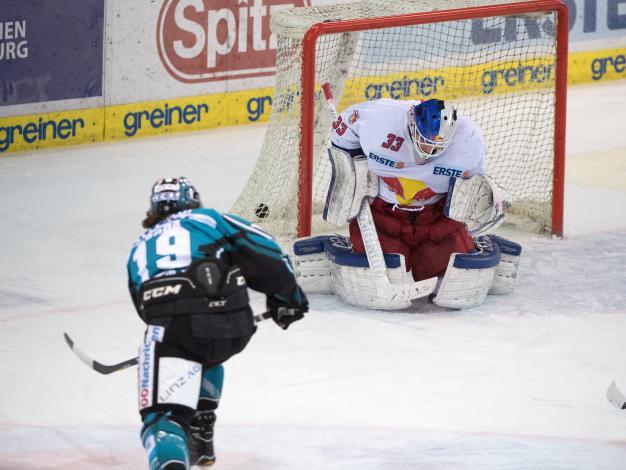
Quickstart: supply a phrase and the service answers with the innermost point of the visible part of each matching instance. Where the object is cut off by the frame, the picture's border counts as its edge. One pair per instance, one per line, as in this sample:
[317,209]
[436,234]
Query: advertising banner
[50,50]
[181,65]
[202,40]
[591,20]
[185,114]
[189,47]
[47,130]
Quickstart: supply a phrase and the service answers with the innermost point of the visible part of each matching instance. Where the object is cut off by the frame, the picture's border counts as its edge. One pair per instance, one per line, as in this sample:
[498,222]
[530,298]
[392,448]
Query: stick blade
[81,355]
[106,370]
[615,396]
[95,365]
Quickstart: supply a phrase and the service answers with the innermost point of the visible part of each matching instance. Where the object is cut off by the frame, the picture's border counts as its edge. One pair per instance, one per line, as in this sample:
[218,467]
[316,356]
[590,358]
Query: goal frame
[305,189]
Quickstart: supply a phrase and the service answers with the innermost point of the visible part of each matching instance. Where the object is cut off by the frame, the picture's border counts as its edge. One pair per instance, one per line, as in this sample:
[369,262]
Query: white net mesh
[499,71]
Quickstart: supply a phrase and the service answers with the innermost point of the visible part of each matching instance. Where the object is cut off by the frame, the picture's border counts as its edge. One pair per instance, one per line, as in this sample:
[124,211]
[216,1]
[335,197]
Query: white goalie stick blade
[415,290]
[616,397]
[376,260]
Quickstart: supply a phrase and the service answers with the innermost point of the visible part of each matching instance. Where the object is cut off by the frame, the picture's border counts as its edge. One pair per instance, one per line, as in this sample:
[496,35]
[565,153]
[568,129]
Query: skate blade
[204,462]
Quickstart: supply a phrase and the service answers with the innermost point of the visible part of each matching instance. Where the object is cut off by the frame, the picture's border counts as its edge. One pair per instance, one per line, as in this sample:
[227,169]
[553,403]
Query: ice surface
[518,383]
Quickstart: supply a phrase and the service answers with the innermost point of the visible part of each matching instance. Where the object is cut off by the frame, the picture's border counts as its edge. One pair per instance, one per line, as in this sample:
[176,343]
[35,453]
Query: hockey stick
[95,365]
[616,397]
[373,250]
[109,369]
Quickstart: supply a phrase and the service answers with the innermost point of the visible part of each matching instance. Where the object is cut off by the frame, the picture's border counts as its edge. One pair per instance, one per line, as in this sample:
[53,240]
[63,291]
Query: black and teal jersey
[182,238]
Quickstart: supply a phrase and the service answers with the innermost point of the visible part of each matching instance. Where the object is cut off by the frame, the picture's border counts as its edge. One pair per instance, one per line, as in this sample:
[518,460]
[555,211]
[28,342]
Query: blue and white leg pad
[327,265]
[506,272]
[490,269]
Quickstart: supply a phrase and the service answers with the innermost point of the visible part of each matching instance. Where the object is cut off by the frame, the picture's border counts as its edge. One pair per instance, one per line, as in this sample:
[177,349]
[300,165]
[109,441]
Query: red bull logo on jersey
[407,190]
[209,40]
[354,117]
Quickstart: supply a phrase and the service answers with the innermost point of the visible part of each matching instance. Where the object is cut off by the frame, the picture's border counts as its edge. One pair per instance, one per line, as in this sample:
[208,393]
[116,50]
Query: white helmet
[431,125]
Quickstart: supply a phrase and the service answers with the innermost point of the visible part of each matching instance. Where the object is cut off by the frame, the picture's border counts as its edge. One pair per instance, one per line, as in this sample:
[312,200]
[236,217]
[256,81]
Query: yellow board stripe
[38,131]
[186,114]
[453,82]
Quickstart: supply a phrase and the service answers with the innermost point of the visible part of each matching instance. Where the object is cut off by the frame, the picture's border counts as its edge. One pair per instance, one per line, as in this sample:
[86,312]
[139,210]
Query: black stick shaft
[109,369]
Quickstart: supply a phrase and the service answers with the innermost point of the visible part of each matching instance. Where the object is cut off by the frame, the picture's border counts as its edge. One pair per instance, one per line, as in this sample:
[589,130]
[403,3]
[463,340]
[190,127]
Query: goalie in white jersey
[414,148]
[421,167]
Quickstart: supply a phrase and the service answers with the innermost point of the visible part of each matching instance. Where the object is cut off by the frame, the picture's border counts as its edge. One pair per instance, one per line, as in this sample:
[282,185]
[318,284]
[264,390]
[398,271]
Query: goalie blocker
[327,265]
[350,183]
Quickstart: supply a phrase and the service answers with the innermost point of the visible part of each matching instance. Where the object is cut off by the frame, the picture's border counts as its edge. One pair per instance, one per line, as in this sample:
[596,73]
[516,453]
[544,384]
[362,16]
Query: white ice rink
[517,384]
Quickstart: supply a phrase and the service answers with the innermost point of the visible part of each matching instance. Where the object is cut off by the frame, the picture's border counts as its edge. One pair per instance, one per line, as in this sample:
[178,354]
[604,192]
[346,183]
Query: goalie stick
[373,250]
[109,369]
[616,397]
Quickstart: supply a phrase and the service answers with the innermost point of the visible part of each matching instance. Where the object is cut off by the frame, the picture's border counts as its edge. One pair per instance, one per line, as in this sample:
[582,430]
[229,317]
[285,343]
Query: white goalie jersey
[382,134]
[373,156]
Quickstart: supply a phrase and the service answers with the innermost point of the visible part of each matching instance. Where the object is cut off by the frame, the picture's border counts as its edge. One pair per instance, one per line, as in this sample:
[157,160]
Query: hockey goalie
[409,177]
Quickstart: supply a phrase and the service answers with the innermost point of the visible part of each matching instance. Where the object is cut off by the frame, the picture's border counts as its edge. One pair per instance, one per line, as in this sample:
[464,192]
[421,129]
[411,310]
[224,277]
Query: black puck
[262,211]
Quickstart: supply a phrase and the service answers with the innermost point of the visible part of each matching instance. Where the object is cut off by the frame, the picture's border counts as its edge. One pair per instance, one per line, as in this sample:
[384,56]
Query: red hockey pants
[426,238]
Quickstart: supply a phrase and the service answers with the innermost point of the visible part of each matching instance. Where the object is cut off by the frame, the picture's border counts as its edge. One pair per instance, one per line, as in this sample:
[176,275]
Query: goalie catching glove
[285,312]
[478,202]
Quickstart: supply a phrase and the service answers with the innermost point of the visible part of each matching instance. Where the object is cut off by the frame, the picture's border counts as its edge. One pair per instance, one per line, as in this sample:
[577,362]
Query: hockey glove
[285,313]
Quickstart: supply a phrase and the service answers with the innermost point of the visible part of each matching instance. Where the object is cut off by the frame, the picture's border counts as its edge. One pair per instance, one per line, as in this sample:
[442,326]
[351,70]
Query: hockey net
[502,63]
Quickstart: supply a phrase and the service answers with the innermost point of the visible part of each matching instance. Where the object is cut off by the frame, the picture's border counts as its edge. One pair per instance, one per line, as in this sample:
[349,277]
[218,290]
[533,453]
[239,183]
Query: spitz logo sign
[208,40]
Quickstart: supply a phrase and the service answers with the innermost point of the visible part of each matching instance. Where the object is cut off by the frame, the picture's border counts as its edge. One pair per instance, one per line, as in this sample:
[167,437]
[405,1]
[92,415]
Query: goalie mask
[171,195]
[431,125]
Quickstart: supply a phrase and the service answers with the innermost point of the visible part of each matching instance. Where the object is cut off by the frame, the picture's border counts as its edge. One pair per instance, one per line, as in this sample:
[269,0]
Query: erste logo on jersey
[454,172]
[386,161]
[208,40]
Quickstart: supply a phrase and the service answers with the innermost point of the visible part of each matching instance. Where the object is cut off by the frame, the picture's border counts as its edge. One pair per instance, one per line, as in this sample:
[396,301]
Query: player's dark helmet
[431,125]
[169,196]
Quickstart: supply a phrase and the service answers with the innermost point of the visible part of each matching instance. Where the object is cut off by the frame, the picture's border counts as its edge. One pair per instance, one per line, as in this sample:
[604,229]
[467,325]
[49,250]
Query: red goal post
[536,103]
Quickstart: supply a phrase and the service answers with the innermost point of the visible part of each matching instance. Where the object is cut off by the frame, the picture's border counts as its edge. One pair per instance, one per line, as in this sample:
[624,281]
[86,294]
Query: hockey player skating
[421,166]
[188,278]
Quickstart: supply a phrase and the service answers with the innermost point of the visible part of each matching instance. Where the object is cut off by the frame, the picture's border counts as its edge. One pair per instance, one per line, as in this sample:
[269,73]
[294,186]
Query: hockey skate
[200,441]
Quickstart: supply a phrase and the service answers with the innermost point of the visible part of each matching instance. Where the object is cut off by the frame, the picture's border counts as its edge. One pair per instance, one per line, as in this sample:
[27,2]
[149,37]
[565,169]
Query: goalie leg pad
[312,265]
[350,184]
[468,277]
[356,286]
[328,265]
[506,272]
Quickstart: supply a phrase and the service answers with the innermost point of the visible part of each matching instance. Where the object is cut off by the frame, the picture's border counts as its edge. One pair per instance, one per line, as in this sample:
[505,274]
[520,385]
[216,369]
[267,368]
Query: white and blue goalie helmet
[431,125]
[171,195]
